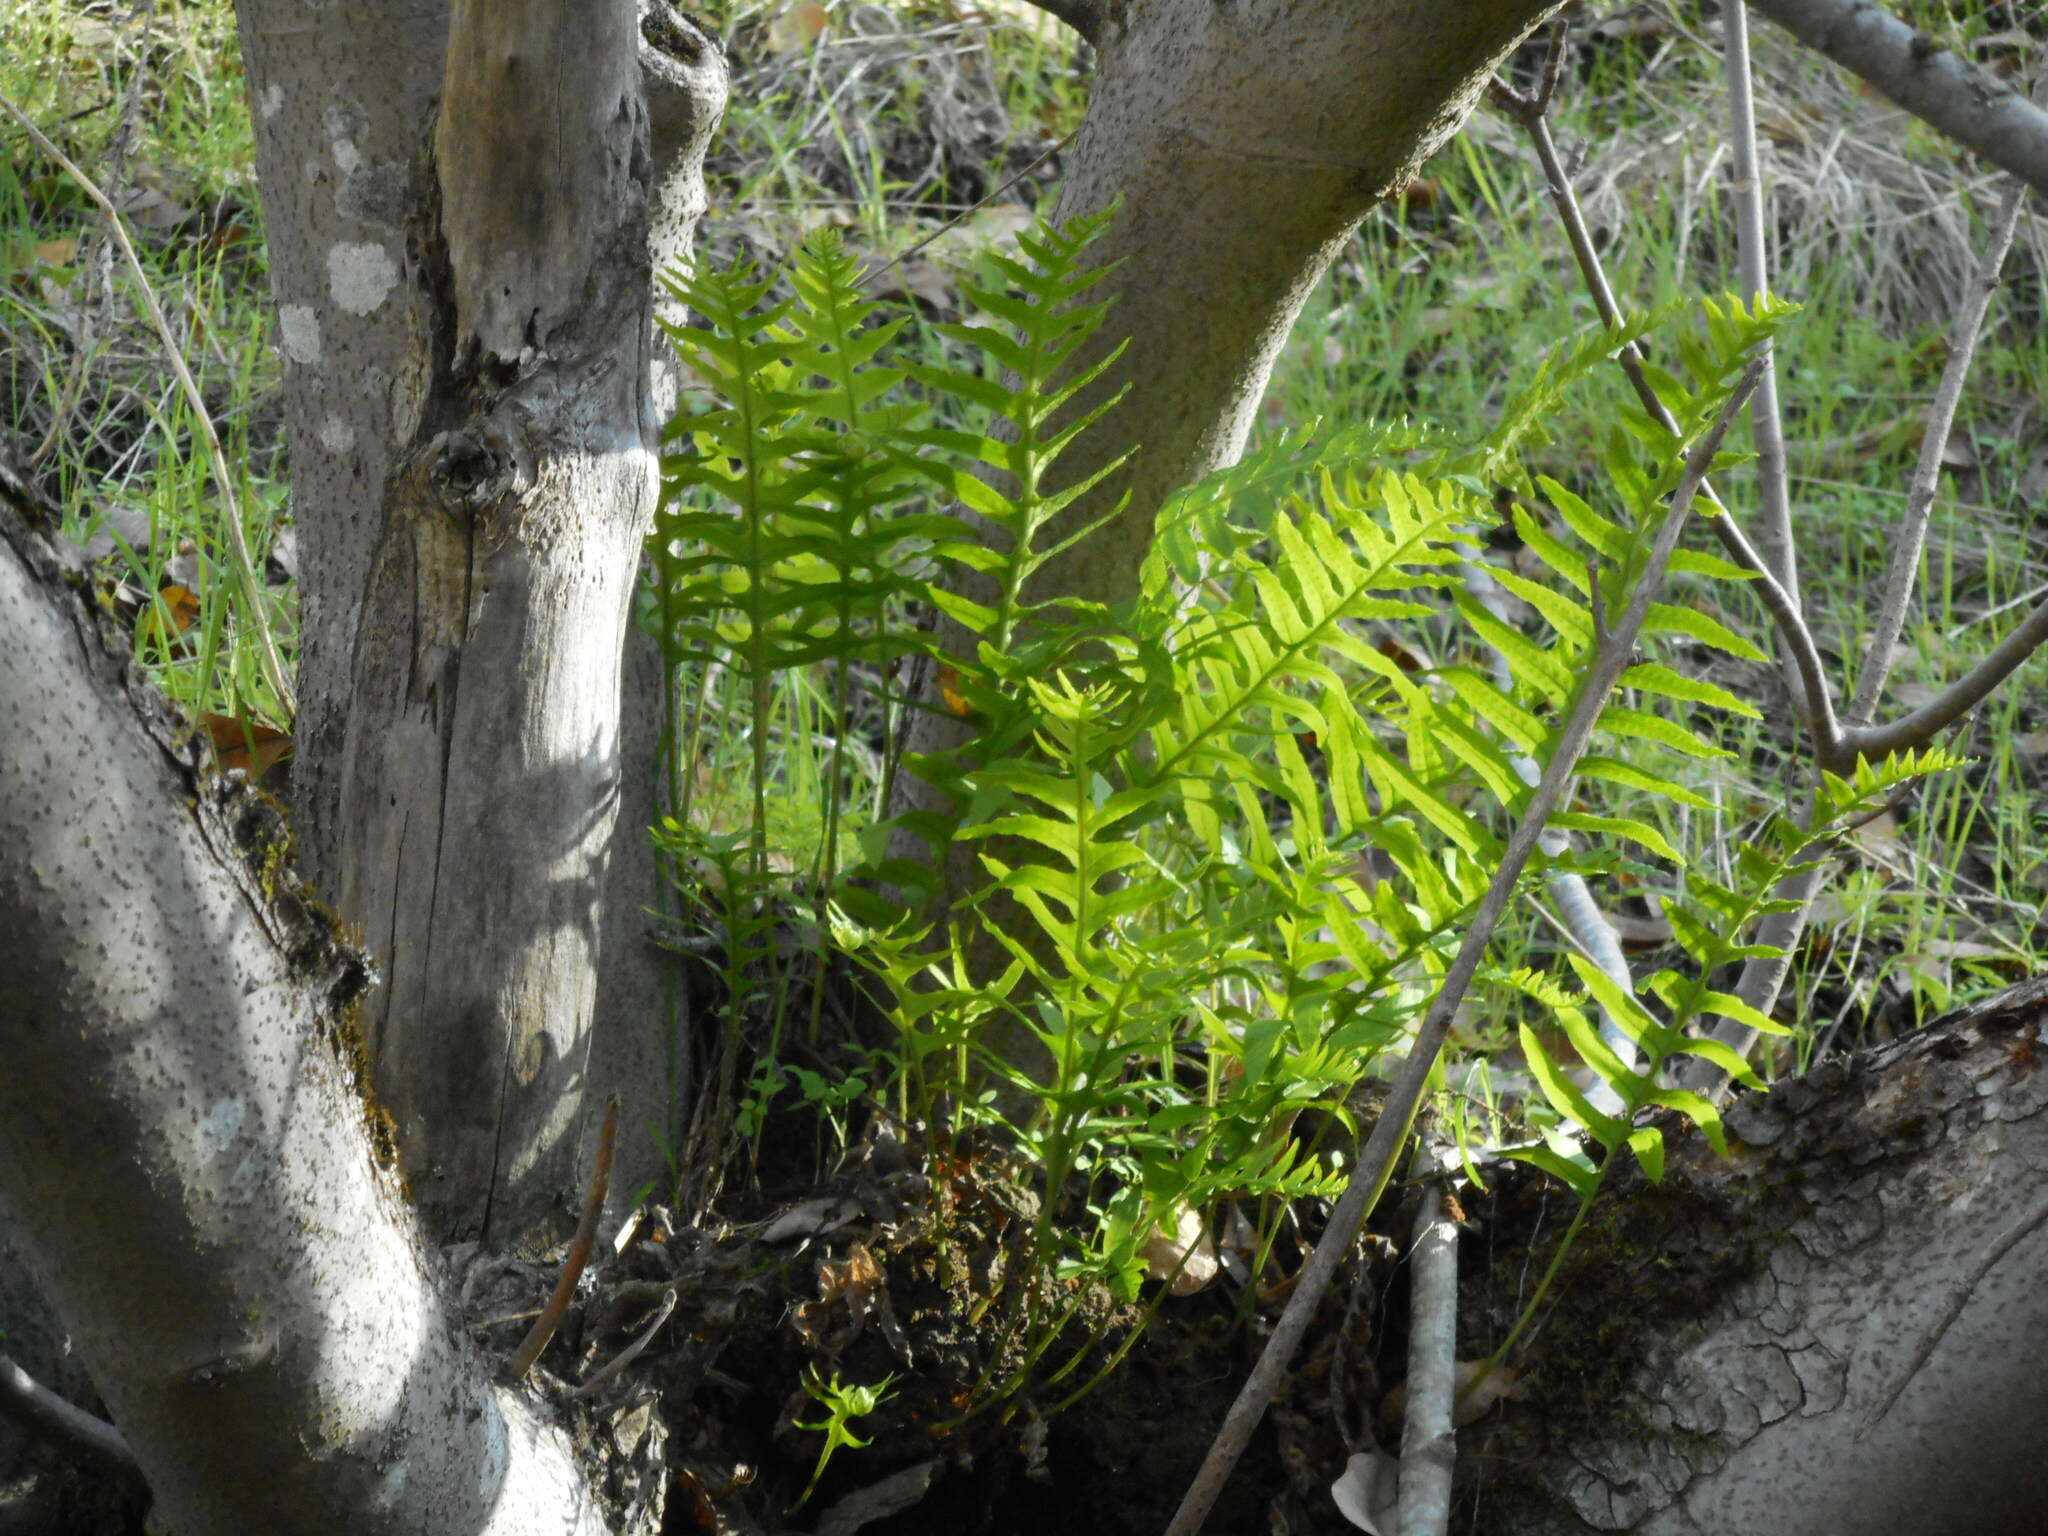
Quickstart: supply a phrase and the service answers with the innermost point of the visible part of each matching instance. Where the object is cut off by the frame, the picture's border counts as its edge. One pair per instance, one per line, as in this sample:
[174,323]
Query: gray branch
[1815,700]
[1767,422]
[1911,538]
[1428,1445]
[30,1403]
[1951,94]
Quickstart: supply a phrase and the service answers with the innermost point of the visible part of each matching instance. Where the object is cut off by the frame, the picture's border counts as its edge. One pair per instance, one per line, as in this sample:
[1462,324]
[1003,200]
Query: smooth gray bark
[642,1045]
[1243,143]
[185,1154]
[480,767]
[1835,1331]
[338,100]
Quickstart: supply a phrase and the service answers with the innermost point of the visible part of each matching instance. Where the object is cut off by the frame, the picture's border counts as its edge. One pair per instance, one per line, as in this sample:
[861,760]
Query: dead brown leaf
[798,27]
[164,621]
[249,745]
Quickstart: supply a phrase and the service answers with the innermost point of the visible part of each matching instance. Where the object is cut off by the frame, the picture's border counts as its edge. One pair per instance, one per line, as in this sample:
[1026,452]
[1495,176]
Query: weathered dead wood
[1837,1329]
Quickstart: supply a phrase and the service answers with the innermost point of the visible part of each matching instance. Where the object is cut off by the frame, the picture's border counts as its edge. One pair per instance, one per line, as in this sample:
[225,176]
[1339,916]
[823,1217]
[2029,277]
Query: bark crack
[1959,1298]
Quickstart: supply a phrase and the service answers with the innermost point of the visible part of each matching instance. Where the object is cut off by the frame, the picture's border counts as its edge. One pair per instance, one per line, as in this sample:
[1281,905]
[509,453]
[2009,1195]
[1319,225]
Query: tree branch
[1767,422]
[1958,699]
[1971,107]
[1084,16]
[1911,538]
[30,1403]
[1764,975]
[1817,706]
[1428,1444]
[258,1311]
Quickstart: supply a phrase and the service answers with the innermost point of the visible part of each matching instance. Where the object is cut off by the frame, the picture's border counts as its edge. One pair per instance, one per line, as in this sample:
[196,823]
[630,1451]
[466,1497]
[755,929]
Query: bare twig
[551,1316]
[1977,110]
[632,1351]
[1428,1444]
[1767,425]
[1763,976]
[1816,700]
[1376,1162]
[1835,748]
[34,1406]
[1911,537]
[1919,728]
[909,251]
[231,509]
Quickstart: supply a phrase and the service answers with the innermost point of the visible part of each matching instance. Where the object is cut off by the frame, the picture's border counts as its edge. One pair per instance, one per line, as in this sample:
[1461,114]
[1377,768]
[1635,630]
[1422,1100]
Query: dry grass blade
[245,570]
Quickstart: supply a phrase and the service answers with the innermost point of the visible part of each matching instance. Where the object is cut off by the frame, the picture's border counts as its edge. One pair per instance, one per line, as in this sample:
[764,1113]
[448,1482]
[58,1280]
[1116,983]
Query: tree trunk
[1243,142]
[471,541]
[185,1152]
[338,100]
[1835,1331]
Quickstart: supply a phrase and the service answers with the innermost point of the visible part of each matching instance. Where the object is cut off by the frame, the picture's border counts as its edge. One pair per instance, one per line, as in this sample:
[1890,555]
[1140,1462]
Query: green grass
[152,107]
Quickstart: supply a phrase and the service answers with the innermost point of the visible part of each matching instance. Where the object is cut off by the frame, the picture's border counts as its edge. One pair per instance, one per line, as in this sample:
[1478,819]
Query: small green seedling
[842,1405]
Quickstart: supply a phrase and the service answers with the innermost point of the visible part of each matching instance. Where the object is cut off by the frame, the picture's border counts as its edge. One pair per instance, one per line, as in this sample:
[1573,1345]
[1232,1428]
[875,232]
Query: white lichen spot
[216,1133]
[340,124]
[271,102]
[299,328]
[360,276]
[336,435]
[392,1484]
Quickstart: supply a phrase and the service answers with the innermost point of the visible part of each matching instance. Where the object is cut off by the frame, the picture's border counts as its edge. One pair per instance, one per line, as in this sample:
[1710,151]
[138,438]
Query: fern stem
[1564,1246]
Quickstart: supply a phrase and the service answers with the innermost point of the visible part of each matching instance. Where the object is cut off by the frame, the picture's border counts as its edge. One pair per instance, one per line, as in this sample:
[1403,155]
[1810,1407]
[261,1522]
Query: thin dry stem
[1911,539]
[1428,1444]
[1767,424]
[868,277]
[1910,732]
[625,1357]
[1764,976]
[1815,698]
[31,1404]
[551,1315]
[231,509]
